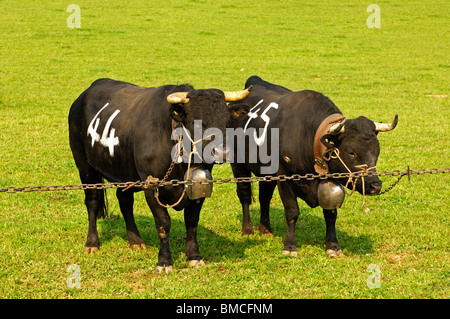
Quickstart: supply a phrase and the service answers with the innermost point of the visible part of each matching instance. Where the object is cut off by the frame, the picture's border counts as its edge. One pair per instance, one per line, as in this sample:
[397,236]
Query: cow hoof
[334,253]
[88,250]
[263,230]
[196,263]
[138,246]
[247,231]
[292,253]
[166,269]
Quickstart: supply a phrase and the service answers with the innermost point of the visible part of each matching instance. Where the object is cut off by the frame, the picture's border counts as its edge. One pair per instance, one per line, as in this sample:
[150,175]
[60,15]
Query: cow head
[358,145]
[205,115]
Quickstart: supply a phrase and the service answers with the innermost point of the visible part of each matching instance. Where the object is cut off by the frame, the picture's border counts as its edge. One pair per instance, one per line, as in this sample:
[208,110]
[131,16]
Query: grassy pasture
[401,68]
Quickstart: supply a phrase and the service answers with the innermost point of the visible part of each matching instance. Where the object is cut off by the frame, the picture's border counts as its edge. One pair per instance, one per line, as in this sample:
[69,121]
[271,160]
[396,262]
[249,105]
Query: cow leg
[291,212]
[162,223]
[244,192]
[265,195]
[126,200]
[96,207]
[94,199]
[331,242]
[92,202]
[191,218]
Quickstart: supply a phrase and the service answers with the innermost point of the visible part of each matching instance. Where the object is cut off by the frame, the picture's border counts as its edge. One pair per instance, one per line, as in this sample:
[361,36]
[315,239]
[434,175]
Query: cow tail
[252,195]
[102,211]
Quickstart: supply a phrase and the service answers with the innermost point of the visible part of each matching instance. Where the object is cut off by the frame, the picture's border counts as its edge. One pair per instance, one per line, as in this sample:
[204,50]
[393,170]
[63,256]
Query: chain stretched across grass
[151,181]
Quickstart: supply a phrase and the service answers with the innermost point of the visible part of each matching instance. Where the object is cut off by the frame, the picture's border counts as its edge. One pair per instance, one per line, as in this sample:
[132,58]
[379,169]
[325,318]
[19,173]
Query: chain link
[152,182]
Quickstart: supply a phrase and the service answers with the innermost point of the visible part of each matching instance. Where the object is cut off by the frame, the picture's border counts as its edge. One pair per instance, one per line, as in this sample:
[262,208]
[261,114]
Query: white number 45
[253,115]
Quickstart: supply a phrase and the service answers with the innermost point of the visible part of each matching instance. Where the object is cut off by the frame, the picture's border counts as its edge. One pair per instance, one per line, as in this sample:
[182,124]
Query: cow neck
[320,164]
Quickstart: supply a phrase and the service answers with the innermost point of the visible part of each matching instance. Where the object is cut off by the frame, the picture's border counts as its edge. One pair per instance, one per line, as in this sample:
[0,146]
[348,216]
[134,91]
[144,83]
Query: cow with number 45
[313,137]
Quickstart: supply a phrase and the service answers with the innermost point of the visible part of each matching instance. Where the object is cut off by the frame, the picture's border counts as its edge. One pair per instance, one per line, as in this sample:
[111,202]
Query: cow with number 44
[123,133]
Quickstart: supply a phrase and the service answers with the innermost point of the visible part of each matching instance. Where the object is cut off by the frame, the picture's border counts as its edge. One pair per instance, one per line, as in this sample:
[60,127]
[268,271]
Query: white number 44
[107,140]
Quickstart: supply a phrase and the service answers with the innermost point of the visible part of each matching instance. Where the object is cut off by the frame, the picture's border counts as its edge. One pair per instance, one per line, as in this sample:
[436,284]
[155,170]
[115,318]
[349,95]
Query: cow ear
[329,140]
[238,111]
[177,112]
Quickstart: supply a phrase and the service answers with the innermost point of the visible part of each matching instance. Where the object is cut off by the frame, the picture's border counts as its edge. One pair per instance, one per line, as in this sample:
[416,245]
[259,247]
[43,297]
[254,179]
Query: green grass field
[401,68]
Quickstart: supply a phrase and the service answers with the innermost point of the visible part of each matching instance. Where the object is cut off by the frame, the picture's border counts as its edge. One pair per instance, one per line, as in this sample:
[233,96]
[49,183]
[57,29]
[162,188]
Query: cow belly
[307,190]
[117,168]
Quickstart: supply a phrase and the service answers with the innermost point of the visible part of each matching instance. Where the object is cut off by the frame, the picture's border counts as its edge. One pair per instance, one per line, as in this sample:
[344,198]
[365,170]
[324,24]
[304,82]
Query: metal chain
[152,182]
[387,190]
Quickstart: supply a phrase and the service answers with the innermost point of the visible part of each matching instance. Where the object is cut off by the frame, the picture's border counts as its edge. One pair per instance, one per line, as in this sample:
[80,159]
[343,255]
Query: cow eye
[351,155]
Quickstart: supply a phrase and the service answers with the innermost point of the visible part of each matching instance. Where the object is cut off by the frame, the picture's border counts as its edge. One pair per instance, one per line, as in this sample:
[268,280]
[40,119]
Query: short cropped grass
[401,68]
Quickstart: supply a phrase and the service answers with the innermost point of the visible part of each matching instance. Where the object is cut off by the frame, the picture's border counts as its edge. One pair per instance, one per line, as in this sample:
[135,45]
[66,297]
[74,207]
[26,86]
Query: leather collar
[320,164]
[175,124]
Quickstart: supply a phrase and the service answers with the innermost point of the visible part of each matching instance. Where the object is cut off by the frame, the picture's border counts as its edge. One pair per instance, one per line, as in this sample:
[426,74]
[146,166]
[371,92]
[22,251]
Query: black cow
[309,125]
[123,132]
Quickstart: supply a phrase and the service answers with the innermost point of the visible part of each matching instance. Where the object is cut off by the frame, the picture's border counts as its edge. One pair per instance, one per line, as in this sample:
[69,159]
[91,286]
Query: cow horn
[178,97]
[337,128]
[237,95]
[381,127]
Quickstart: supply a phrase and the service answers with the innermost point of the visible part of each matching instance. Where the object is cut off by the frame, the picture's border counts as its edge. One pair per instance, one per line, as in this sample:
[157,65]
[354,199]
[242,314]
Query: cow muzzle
[372,185]
[374,188]
[219,154]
